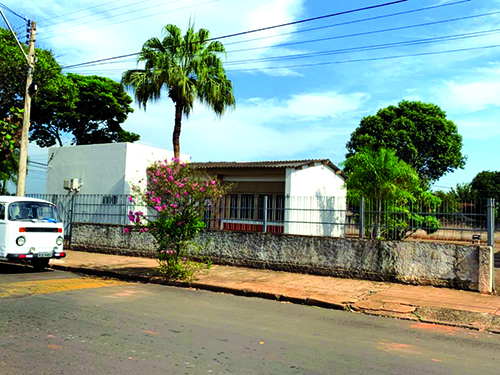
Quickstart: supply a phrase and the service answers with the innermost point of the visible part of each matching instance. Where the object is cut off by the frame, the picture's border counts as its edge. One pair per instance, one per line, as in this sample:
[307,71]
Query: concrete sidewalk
[420,303]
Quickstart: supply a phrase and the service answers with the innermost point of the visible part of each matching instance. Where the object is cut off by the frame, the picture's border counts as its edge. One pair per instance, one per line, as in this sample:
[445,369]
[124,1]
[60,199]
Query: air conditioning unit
[71,184]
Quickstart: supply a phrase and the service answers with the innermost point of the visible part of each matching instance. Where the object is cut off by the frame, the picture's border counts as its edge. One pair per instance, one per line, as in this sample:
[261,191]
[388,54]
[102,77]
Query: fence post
[72,205]
[361,217]
[265,213]
[490,214]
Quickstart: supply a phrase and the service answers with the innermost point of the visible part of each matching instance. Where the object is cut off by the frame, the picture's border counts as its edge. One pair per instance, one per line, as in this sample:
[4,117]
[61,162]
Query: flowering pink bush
[177,195]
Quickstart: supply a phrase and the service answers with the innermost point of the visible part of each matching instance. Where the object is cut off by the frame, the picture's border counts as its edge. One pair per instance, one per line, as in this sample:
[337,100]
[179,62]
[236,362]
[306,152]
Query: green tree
[10,134]
[95,116]
[89,109]
[190,69]
[419,132]
[9,169]
[388,184]
[484,185]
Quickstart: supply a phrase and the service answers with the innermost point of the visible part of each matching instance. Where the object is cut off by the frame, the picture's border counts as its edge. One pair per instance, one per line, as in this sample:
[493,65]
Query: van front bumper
[55,255]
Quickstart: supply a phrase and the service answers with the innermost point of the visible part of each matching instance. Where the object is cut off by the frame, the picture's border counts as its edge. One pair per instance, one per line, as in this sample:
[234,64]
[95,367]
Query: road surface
[61,323]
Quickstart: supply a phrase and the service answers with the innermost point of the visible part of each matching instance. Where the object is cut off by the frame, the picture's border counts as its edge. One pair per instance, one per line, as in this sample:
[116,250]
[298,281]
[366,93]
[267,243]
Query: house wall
[420,263]
[139,157]
[315,201]
[102,169]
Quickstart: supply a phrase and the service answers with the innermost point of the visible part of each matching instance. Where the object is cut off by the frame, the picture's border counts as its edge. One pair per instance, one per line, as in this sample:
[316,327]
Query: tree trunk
[177,130]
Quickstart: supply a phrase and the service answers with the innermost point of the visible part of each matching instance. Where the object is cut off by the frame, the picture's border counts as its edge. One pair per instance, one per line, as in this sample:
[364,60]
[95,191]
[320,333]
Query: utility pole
[23,158]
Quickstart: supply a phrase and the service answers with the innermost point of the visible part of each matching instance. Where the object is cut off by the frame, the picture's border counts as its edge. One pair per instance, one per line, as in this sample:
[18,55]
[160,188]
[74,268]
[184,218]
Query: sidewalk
[419,303]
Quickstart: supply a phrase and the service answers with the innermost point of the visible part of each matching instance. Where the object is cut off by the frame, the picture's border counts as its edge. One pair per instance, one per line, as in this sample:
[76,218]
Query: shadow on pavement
[12,268]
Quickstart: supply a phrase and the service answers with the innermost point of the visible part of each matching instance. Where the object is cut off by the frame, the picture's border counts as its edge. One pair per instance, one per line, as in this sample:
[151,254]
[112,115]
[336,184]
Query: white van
[30,230]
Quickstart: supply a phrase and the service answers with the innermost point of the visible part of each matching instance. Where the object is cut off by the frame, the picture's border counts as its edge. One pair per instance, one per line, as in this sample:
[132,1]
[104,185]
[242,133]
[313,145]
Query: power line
[133,19]
[11,11]
[354,49]
[312,19]
[35,162]
[369,47]
[368,32]
[344,50]
[253,31]
[108,10]
[351,22]
[365,60]
[77,11]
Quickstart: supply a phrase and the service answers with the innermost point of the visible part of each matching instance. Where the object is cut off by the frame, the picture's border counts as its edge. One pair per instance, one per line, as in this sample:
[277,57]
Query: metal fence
[316,216]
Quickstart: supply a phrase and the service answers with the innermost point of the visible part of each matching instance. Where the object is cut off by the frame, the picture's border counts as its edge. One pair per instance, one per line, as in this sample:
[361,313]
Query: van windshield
[27,211]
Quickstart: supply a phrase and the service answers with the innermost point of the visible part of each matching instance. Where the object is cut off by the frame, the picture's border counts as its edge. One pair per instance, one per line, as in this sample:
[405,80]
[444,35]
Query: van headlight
[20,241]
[59,241]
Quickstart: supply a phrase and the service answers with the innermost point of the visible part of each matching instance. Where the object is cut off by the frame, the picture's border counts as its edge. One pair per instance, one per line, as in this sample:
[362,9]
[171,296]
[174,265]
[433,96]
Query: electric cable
[11,11]
[366,60]
[261,29]
[105,11]
[130,20]
[77,11]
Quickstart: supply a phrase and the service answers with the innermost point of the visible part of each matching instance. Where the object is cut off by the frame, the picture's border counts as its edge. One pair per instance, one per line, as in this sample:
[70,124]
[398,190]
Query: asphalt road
[60,323]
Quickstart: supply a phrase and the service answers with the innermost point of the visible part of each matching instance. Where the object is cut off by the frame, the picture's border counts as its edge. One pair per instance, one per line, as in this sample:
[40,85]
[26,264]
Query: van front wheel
[40,264]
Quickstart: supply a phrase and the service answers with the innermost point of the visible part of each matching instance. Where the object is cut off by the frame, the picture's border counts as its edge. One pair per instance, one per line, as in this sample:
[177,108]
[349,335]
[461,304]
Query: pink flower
[212,182]
[183,165]
[126,230]
[177,195]
[184,259]
[220,196]
[170,178]
[185,193]
[155,181]
[202,189]
[171,251]
[162,251]
[146,229]
[184,180]
[130,199]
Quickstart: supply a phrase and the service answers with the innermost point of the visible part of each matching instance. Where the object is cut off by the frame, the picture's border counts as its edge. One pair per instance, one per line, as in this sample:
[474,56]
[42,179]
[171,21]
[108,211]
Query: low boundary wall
[419,263]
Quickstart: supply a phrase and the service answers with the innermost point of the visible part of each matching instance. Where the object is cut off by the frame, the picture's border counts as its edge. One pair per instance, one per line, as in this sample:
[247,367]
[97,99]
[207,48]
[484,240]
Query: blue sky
[295,112]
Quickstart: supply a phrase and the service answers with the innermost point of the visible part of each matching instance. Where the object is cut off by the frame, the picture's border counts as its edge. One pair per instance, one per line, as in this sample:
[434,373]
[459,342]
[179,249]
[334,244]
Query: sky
[300,93]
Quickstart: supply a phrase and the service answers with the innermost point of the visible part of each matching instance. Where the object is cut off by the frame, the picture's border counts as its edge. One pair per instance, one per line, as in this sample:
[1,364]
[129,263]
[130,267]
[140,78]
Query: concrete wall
[102,169]
[314,194]
[424,263]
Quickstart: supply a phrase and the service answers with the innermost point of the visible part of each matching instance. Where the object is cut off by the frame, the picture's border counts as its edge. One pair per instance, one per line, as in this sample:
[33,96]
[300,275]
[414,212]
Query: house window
[110,199]
[280,208]
[260,208]
[233,206]
[247,206]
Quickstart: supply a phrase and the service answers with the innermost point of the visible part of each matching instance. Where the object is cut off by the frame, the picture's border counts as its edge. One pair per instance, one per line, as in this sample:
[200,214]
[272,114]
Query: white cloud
[258,128]
[469,95]
[220,17]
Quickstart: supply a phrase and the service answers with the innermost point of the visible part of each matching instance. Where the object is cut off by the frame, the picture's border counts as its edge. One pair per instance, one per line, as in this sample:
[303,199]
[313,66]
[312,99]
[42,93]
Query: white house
[108,168]
[303,196]
[91,183]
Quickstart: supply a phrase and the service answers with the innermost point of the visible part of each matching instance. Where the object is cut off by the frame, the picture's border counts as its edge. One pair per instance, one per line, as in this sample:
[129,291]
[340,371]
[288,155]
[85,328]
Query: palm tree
[188,67]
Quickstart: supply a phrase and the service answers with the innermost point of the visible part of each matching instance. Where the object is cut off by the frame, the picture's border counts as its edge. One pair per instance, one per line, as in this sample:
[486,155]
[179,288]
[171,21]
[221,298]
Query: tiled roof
[267,164]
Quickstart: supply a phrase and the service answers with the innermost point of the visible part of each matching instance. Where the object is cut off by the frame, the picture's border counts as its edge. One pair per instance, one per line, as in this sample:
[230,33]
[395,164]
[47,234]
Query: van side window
[2,212]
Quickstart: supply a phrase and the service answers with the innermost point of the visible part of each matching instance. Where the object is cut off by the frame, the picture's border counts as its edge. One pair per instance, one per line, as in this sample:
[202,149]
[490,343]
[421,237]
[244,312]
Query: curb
[309,301]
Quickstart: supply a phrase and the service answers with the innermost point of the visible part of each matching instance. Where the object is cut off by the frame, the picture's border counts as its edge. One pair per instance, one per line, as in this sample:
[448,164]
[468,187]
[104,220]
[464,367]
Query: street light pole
[23,158]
